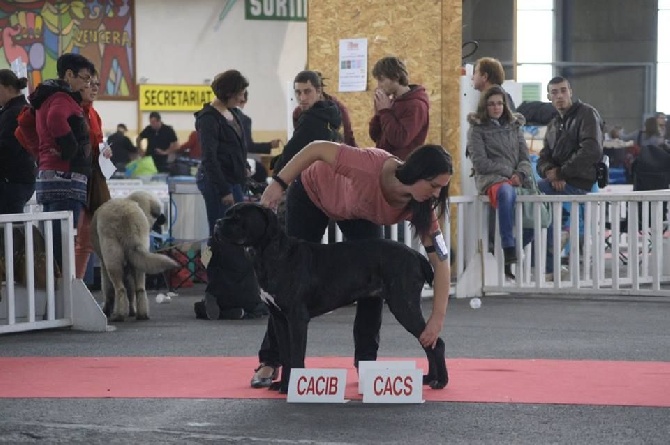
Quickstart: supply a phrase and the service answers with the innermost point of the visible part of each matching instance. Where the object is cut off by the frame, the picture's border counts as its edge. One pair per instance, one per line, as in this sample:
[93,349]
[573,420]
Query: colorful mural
[102,30]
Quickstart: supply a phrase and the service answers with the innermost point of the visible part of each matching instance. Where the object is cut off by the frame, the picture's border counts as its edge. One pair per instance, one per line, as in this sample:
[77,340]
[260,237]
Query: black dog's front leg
[298,320]
[292,338]
[281,331]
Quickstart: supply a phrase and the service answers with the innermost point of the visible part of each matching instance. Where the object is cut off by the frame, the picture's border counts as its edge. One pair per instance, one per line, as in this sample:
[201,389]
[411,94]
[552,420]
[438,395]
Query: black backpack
[651,168]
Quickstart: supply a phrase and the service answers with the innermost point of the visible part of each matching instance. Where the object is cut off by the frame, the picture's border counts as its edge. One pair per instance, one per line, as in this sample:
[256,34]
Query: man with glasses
[64,156]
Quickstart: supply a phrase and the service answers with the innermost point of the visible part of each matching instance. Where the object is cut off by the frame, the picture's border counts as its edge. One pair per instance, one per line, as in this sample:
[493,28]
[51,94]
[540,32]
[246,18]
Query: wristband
[280,181]
[429,249]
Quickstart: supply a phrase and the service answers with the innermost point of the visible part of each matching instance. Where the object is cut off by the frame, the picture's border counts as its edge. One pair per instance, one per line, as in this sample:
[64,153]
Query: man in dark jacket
[347,129]
[123,150]
[320,121]
[400,123]
[17,166]
[572,148]
[161,141]
[252,146]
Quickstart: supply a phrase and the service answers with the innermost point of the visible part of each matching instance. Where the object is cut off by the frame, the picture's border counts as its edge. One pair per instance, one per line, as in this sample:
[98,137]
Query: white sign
[394,386]
[353,65]
[20,68]
[364,367]
[107,167]
[317,385]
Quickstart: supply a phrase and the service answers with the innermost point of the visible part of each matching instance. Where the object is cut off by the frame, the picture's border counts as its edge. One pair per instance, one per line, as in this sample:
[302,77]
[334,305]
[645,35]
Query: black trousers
[306,221]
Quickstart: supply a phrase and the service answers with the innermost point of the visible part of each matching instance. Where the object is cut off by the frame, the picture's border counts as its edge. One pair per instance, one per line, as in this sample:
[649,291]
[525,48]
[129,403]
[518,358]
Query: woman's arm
[441,287]
[314,151]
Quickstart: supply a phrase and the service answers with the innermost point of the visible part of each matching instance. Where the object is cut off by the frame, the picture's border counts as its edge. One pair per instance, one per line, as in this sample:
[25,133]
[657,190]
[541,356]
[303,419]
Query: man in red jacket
[64,154]
[400,123]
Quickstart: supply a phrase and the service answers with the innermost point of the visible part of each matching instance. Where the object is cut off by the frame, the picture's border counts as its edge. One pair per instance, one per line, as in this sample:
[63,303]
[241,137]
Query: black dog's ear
[273,221]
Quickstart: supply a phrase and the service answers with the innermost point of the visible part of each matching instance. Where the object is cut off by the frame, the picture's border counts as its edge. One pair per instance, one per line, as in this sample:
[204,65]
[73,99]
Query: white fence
[623,248]
[63,301]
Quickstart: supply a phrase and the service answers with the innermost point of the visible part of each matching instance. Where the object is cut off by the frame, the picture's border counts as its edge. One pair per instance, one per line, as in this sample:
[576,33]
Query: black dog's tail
[426,268]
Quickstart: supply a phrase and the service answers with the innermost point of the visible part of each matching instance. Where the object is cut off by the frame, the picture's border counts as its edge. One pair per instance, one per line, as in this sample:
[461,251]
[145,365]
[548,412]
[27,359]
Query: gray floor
[504,327]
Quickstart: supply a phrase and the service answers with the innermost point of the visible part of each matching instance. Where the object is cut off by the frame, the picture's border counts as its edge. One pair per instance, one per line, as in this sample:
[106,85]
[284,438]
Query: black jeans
[306,221]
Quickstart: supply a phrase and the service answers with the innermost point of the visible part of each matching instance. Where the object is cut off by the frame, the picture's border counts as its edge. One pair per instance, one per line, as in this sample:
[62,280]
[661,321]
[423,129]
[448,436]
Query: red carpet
[471,380]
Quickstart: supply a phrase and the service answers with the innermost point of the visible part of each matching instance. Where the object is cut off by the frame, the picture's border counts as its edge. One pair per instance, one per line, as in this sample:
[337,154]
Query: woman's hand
[429,336]
[272,195]
[515,180]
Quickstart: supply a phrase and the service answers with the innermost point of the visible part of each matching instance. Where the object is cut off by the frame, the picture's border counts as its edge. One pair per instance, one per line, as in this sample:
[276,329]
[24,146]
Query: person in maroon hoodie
[64,154]
[400,123]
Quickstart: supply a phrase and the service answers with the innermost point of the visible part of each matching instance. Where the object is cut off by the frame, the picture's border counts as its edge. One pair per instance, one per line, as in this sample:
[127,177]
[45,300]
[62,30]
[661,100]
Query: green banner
[282,10]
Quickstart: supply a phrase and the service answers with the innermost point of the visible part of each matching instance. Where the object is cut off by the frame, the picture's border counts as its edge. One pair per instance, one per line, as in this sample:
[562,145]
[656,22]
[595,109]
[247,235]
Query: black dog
[305,280]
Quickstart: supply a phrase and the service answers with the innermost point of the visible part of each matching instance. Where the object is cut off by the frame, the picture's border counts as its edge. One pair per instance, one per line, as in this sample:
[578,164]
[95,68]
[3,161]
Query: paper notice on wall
[353,65]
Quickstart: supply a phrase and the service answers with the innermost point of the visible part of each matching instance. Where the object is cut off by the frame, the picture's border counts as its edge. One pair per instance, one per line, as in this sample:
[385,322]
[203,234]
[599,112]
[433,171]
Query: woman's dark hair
[228,84]
[313,77]
[426,162]
[482,113]
[9,79]
[73,62]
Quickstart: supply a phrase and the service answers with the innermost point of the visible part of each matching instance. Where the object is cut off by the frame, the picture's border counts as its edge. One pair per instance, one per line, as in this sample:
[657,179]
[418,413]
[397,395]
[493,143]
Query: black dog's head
[247,224]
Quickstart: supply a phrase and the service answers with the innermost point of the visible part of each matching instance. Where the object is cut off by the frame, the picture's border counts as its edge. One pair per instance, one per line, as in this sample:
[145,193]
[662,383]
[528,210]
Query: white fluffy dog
[120,234]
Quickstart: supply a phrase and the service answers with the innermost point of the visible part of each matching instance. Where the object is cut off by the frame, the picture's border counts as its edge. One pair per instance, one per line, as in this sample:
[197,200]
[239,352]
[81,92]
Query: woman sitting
[501,163]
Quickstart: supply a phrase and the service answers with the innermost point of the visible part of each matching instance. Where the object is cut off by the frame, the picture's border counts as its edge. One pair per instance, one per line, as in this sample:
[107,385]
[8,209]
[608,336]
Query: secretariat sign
[284,10]
[174,97]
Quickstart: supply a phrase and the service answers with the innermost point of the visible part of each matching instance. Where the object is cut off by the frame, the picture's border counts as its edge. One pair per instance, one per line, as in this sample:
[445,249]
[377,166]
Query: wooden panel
[426,34]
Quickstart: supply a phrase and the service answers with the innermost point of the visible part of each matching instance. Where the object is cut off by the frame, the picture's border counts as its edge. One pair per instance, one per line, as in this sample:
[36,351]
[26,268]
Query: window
[663,58]
[535,41]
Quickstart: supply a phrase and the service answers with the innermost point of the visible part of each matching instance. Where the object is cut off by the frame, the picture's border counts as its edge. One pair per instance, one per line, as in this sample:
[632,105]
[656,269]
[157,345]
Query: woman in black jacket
[223,170]
[17,167]
[232,289]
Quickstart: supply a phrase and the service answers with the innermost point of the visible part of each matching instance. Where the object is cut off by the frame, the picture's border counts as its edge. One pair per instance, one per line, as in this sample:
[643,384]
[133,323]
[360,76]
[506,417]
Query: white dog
[120,234]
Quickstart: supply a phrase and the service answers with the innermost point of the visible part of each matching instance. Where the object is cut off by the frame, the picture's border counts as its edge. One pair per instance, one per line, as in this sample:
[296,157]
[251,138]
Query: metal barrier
[64,301]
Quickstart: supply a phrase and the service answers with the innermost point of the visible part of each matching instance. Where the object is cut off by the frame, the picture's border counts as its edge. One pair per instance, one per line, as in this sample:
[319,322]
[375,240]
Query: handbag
[528,218]
[98,191]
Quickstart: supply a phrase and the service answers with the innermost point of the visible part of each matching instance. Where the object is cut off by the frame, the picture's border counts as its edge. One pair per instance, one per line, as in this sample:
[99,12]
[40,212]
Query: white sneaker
[565,275]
